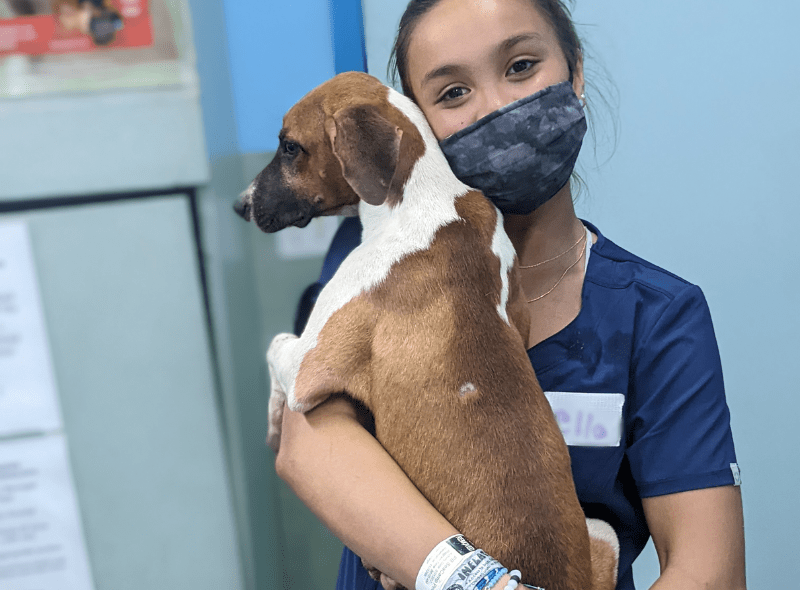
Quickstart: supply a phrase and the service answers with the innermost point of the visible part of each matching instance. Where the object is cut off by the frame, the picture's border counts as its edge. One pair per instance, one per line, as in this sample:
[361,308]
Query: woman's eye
[520,66]
[454,93]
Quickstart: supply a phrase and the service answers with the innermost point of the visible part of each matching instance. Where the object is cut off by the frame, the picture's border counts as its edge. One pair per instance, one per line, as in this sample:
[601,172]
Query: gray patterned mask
[521,155]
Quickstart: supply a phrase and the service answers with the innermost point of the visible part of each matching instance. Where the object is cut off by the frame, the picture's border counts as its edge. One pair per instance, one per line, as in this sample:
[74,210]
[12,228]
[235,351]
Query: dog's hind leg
[604,548]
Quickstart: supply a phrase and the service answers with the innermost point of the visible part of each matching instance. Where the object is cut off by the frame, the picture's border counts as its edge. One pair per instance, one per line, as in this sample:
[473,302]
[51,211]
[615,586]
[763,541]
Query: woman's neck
[547,232]
[553,290]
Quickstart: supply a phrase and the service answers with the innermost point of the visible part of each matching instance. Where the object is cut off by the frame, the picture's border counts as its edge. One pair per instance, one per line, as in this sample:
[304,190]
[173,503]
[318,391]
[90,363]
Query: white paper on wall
[307,242]
[41,538]
[28,399]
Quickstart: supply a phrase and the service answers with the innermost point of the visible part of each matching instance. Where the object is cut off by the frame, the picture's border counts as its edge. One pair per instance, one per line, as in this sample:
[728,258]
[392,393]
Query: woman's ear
[578,82]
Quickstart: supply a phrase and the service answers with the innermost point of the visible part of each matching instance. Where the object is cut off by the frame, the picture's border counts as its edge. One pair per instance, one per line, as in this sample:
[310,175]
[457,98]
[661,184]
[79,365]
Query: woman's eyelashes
[521,67]
[452,94]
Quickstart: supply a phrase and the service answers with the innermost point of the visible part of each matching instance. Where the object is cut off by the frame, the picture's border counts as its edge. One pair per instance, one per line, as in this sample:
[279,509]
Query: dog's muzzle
[243,205]
[242,209]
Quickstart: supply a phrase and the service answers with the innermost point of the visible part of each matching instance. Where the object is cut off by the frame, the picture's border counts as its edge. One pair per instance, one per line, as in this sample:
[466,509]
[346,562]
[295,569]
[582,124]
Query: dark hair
[555,11]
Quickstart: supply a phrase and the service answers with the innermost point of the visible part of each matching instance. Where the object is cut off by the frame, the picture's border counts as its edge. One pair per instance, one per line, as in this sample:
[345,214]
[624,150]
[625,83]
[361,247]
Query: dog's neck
[429,194]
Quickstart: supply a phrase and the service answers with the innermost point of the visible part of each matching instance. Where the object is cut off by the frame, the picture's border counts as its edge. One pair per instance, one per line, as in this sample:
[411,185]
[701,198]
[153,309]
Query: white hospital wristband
[443,561]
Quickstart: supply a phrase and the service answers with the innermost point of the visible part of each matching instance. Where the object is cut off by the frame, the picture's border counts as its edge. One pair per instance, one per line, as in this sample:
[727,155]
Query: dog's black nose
[242,209]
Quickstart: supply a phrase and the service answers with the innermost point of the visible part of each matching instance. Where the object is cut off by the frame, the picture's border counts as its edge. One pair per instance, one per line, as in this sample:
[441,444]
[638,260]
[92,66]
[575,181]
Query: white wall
[703,182]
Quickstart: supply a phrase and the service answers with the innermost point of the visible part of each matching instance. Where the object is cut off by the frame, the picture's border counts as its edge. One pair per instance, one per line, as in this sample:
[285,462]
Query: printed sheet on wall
[42,543]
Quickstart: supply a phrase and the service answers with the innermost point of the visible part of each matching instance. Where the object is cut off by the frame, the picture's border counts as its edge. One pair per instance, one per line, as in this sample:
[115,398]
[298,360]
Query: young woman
[603,321]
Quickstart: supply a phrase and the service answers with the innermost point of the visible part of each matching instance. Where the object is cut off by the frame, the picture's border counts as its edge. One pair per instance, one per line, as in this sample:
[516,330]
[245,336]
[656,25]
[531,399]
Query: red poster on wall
[75,26]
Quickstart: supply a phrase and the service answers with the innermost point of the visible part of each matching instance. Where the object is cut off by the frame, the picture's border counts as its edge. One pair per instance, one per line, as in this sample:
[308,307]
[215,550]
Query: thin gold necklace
[583,236]
[580,256]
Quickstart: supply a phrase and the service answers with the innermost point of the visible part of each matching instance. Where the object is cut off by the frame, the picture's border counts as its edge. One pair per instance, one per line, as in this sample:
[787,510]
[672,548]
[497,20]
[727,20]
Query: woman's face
[468,58]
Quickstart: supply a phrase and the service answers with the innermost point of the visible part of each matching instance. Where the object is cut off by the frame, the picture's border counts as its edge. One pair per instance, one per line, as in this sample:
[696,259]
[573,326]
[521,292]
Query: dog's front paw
[280,361]
[285,357]
[277,406]
[277,352]
[277,361]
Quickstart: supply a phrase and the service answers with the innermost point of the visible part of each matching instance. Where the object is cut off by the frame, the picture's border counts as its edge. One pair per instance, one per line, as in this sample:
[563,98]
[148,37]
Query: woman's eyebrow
[511,42]
[441,72]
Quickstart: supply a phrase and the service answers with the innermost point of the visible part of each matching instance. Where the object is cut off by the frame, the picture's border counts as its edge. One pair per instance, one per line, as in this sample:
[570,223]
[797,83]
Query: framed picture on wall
[85,45]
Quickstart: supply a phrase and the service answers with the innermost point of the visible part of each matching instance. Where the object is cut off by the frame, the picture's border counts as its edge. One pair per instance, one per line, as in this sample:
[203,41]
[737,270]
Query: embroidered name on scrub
[588,419]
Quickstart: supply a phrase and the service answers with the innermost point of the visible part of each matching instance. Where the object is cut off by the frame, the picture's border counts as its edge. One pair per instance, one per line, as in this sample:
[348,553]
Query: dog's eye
[290,148]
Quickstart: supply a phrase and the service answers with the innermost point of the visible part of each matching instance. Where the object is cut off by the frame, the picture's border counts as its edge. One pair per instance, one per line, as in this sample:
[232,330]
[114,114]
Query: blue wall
[703,182]
[278,52]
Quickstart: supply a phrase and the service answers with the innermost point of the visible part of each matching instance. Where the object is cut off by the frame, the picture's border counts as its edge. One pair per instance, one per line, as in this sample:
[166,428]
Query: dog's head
[344,142]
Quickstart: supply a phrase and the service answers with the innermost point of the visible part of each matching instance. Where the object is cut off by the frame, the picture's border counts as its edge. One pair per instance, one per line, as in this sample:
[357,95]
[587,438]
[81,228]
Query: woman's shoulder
[614,267]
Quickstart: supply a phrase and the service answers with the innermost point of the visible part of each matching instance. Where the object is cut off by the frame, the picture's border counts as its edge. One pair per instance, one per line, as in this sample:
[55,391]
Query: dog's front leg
[285,358]
[280,363]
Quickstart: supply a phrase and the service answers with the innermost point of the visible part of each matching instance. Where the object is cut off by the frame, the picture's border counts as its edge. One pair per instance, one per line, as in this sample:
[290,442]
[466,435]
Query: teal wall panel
[253,295]
[123,305]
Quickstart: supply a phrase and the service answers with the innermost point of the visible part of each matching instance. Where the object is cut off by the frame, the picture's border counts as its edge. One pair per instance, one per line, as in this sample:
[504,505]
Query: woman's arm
[355,488]
[699,538]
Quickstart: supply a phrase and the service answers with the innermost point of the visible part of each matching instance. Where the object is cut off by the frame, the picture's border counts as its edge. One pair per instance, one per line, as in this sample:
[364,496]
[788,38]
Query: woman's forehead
[461,32]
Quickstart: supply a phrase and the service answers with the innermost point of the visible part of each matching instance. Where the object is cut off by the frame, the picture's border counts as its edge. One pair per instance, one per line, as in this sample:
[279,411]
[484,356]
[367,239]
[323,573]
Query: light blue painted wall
[703,182]
[279,50]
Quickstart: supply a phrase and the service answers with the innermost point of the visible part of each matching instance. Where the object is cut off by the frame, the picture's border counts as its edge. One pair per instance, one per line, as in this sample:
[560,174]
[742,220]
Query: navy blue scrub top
[641,332]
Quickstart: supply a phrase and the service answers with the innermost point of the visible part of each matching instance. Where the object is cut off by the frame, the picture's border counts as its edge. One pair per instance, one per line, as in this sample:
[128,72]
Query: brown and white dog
[425,324]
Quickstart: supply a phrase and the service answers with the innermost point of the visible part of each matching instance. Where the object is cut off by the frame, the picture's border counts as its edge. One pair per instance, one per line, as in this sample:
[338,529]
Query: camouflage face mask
[522,154]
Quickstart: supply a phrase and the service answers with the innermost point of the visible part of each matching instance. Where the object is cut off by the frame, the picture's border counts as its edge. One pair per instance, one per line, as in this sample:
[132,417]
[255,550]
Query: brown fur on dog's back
[480,443]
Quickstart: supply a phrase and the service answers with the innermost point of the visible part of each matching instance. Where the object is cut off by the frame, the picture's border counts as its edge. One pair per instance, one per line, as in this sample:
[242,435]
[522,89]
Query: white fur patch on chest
[504,250]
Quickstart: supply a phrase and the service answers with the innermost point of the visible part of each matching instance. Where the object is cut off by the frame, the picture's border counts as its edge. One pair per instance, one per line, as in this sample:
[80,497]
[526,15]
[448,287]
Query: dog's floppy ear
[367,146]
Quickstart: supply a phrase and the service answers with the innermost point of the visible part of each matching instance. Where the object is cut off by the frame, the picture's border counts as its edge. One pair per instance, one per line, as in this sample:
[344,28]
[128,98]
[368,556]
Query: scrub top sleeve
[678,420]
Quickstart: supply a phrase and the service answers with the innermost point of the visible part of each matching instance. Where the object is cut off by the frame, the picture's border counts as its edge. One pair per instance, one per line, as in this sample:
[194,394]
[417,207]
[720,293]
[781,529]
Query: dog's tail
[604,547]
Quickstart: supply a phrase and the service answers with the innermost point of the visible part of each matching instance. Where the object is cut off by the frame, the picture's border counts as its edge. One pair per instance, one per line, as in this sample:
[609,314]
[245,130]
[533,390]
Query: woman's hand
[699,538]
[349,481]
